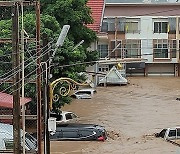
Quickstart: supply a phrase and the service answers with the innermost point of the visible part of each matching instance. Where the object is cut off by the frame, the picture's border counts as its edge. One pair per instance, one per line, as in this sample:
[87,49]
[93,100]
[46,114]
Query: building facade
[144,30]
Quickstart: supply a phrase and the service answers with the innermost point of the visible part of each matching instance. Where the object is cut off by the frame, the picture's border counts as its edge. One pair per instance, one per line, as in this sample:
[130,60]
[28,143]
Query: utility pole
[46,73]
[22,61]
[38,86]
[16,79]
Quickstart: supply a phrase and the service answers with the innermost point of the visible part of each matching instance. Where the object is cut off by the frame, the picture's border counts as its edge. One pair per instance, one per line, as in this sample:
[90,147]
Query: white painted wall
[146,27]
[147,38]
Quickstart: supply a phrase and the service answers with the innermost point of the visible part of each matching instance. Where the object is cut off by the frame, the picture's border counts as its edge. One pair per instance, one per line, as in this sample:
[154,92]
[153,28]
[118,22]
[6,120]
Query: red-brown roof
[6,100]
[97,8]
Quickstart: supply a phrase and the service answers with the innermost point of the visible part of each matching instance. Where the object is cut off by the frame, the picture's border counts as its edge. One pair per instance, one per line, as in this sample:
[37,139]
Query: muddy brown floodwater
[131,115]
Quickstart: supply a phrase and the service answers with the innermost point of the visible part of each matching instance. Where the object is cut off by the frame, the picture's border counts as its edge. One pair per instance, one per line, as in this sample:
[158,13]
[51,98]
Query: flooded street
[131,115]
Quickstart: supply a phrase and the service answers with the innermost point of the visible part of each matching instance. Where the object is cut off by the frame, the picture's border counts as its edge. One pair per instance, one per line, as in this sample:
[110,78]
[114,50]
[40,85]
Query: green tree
[54,15]
[74,13]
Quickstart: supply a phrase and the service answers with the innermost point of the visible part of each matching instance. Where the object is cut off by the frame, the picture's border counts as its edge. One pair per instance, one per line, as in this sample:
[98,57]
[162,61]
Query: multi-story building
[145,30]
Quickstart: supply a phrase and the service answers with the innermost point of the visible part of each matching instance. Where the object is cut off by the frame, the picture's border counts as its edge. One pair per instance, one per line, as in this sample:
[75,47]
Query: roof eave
[148,4]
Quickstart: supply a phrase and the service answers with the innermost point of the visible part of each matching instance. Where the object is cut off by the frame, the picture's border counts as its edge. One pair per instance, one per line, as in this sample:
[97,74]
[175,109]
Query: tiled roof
[97,8]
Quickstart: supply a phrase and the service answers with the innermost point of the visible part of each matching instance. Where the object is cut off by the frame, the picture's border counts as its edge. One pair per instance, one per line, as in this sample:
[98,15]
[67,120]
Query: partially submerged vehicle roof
[87,89]
[74,125]
[64,112]
[178,127]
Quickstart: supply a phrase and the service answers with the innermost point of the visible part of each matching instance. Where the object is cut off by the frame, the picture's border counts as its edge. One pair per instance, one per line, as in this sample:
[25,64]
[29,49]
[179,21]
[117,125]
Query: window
[104,68]
[103,50]
[172,133]
[115,53]
[178,132]
[132,48]
[172,25]
[172,47]
[160,27]
[104,27]
[8,144]
[121,24]
[132,27]
[112,24]
[68,116]
[161,48]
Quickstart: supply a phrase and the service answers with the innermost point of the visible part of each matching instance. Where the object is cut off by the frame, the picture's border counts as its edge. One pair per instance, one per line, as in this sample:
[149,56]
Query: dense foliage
[54,14]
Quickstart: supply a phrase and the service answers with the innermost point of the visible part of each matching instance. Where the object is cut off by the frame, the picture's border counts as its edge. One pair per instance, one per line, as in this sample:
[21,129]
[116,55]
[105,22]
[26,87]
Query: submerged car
[6,139]
[87,132]
[169,133]
[84,93]
[64,117]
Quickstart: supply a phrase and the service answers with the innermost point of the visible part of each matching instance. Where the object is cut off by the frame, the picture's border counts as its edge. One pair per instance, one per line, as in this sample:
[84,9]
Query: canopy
[113,77]
[6,100]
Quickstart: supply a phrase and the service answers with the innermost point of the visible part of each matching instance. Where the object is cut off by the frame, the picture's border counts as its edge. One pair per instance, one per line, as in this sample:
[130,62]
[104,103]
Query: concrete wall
[142,10]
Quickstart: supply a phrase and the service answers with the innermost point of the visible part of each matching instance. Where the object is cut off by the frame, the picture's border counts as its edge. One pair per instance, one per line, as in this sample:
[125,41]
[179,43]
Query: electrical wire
[63,66]
[82,63]
[19,69]
[14,73]
[22,78]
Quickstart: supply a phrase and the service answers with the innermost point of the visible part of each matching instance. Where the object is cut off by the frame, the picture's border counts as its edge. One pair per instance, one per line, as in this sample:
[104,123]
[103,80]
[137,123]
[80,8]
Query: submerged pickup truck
[170,134]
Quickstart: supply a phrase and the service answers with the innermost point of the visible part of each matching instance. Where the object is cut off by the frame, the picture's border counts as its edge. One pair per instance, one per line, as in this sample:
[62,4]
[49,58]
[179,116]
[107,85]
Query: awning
[6,100]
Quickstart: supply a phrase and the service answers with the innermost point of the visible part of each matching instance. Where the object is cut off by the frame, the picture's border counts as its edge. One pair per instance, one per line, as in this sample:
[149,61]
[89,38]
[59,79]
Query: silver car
[84,93]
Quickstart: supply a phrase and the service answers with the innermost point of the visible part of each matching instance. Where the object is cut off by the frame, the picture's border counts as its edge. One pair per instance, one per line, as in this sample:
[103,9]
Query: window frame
[6,140]
[161,46]
[128,47]
[131,23]
[103,53]
[160,28]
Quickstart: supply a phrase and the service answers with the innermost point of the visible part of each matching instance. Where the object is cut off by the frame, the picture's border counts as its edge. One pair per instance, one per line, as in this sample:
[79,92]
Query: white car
[169,133]
[64,117]
[84,93]
[6,139]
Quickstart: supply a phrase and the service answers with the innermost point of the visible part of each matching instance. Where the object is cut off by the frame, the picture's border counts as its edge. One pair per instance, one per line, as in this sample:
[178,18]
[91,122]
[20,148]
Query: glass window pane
[178,132]
[164,45]
[173,51]
[172,133]
[8,143]
[160,46]
[104,27]
[164,27]
[156,27]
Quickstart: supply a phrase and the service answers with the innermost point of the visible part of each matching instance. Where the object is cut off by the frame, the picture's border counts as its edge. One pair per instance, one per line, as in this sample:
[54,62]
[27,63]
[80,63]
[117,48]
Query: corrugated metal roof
[6,100]
[97,7]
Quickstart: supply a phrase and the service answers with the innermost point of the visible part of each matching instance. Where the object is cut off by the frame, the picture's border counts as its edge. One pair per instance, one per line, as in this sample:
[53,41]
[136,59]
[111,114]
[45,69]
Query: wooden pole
[16,79]
[38,87]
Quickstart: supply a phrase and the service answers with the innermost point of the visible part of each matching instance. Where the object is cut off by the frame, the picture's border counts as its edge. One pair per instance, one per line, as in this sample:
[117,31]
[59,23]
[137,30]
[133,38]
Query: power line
[14,73]
[62,66]
[21,64]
